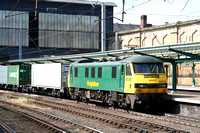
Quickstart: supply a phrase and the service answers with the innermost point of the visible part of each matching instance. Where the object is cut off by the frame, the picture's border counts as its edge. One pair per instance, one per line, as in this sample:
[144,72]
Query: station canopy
[174,53]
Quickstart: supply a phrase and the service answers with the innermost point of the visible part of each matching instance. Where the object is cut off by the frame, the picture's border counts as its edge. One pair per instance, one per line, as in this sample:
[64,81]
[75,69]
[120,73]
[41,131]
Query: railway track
[144,123]
[83,127]
[115,123]
[186,118]
[23,118]
[6,127]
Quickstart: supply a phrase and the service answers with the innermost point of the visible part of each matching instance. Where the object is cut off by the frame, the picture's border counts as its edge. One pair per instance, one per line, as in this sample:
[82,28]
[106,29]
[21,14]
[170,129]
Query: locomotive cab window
[148,68]
[86,72]
[76,72]
[128,70]
[99,72]
[93,72]
[114,71]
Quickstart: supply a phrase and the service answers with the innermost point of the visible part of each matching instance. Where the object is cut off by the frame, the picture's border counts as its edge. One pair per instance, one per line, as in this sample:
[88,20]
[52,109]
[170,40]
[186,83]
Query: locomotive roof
[136,59]
[142,59]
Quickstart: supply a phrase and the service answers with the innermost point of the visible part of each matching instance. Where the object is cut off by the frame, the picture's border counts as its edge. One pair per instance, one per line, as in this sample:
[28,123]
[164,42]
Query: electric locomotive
[138,81]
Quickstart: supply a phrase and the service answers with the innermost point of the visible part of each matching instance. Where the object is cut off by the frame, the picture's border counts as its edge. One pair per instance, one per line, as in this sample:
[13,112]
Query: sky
[158,11]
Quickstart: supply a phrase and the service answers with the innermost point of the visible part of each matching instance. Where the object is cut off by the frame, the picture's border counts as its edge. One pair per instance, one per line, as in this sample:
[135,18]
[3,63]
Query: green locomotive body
[126,82]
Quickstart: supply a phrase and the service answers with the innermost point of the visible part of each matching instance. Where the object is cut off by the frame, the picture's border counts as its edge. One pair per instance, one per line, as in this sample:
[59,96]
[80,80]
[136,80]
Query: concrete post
[20,43]
[103,27]
[116,41]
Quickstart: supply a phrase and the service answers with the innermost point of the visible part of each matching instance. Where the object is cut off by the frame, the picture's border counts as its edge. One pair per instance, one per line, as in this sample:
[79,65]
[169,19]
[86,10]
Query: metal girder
[185,53]
[38,62]
[66,59]
[186,60]
[92,59]
[54,61]
[155,51]
[111,55]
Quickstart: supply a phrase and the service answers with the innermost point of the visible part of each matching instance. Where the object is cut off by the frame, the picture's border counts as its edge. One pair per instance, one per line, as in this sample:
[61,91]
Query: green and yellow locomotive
[139,80]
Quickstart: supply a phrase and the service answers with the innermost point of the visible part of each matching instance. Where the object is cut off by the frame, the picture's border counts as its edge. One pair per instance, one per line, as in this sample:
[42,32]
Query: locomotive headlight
[141,86]
[162,85]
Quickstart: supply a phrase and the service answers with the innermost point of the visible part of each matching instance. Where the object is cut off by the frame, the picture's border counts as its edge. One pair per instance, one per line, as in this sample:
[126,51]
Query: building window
[9,28]
[76,72]
[86,72]
[100,72]
[68,31]
[93,72]
[128,70]
[114,72]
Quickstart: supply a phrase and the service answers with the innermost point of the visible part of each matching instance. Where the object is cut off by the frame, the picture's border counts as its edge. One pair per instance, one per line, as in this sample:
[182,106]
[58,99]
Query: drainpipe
[181,36]
[177,28]
[140,38]
[143,41]
[129,42]
[164,39]
[193,34]
[153,40]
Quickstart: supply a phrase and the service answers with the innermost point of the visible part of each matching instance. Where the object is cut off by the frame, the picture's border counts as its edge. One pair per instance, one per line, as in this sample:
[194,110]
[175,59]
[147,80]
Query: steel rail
[53,128]
[185,118]
[6,127]
[113,115]
[161,127]
[112,122]
[86,128]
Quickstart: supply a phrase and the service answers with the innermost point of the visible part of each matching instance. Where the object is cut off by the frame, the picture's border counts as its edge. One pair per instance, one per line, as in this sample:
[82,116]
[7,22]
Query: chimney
[143,21]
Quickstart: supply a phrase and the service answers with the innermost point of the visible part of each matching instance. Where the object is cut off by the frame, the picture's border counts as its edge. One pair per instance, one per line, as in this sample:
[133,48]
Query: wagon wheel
[58,94]
[53,93]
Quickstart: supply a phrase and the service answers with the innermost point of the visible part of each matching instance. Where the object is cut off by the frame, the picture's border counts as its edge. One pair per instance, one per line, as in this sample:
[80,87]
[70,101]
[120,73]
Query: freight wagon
[49,78]
[15,77]
[3,76]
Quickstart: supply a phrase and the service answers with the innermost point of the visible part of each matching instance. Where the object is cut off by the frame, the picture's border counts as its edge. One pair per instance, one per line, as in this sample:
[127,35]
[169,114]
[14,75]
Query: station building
[51,27]
[175,33]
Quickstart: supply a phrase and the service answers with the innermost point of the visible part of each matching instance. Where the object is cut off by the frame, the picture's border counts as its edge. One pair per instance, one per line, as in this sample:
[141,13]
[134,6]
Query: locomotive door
[129,81]
[71,76]
[121,86]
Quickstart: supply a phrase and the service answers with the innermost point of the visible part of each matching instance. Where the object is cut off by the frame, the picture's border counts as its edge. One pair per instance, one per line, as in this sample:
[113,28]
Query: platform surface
[186,94]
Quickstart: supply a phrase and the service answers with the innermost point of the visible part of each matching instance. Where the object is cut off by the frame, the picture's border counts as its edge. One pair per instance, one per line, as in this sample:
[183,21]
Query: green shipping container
[13,75]
[19,75]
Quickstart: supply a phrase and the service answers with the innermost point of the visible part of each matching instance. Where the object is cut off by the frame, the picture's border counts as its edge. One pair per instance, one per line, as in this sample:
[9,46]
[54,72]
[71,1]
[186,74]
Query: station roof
[177,53]
[78,2]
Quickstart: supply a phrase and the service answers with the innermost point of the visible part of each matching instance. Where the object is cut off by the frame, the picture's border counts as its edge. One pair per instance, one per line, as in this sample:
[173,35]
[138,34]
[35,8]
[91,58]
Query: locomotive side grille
[151,85]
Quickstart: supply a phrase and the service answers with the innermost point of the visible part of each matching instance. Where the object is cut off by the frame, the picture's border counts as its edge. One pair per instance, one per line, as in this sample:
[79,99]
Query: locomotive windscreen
[148,68]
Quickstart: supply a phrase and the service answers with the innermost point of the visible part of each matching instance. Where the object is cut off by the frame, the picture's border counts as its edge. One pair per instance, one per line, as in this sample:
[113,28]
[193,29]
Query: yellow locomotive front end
[145,81]
[145,78]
